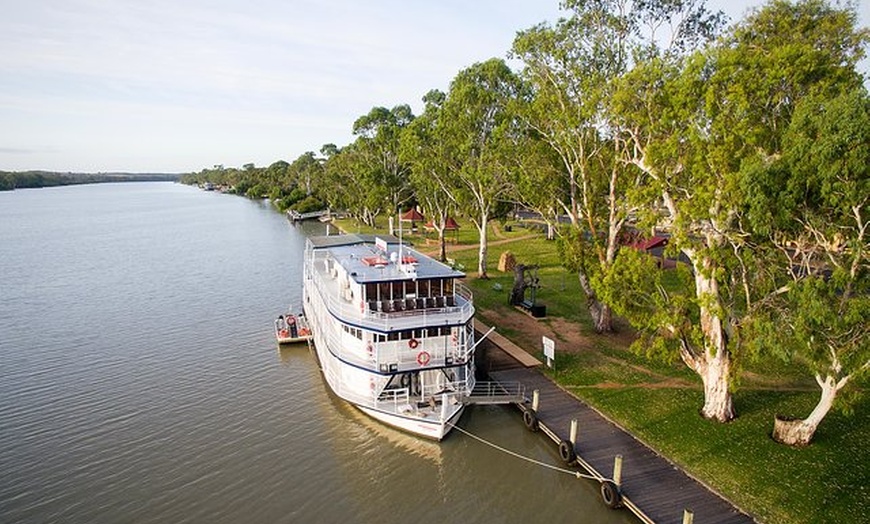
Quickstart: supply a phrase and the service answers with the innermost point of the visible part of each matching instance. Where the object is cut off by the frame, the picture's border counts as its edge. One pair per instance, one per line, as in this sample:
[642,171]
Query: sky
[177,86]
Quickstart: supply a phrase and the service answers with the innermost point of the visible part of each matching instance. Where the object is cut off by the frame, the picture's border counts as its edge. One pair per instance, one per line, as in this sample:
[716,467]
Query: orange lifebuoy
[413,343]
[283,333]
[423,358]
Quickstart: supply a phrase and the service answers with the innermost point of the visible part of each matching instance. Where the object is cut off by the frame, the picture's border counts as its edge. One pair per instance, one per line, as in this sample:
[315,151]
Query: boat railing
[453,389]
[397,399]
[398,354]
[358,312]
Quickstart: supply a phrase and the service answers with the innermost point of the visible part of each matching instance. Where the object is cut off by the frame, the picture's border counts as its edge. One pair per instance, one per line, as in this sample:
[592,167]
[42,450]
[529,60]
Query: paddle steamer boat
[393,330]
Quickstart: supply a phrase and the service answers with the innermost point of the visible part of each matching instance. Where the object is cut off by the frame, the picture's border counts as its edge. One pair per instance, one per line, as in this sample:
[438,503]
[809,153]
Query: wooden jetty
[296,216]
[647,484]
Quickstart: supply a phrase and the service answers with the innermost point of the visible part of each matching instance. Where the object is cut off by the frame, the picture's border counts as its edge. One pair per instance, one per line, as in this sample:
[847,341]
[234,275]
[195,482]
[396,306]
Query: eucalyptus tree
[378,134]
[350,183]
[571,67]
[818,221]
[426,155]
[478,132]
[307,168]
[697,126]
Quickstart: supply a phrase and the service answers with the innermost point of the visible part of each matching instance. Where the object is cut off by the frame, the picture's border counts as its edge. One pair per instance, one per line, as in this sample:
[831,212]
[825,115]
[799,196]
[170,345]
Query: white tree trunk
[602,315]
[481,257]
[796,432]
[713,363]
[718,404]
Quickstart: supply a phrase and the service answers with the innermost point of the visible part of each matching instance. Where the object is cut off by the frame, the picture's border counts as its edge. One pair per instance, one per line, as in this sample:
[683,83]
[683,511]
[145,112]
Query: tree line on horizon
[10,180]
[749,144]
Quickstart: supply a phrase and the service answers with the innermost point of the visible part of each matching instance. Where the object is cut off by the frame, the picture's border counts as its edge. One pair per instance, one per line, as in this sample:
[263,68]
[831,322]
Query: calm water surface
[140,382]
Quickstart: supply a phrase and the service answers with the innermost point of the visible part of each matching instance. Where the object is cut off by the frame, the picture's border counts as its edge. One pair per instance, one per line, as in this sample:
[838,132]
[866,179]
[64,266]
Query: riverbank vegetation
[10,180]
[745,148]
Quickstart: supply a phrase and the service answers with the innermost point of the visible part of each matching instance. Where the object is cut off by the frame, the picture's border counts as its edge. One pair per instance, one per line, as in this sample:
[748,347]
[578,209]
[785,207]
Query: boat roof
[365,261]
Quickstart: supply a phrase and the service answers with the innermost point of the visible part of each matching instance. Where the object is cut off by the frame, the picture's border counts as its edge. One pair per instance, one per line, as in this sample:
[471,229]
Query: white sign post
[550,352]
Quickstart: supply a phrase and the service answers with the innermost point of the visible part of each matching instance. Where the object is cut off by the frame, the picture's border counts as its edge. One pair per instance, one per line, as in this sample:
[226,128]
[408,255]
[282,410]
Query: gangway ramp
[494,392]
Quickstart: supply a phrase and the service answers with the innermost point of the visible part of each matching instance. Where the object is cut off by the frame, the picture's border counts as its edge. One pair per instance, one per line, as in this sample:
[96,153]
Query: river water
[140,382]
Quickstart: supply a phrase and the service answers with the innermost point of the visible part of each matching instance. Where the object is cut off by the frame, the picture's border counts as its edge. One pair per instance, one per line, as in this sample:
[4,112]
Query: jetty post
[617,470]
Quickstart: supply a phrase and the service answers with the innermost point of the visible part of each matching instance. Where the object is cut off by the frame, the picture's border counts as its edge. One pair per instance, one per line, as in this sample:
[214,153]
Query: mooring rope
[576,474]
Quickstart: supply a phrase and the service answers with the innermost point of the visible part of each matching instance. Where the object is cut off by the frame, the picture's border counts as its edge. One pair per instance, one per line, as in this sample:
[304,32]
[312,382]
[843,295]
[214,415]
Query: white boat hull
[435,429]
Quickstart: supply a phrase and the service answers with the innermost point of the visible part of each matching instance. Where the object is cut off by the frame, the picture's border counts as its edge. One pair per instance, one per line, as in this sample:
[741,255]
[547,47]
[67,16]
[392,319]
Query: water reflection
[288,353]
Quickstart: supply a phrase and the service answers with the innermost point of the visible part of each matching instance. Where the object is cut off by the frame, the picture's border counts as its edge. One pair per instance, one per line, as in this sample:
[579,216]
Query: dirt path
[451,248]
[526,332]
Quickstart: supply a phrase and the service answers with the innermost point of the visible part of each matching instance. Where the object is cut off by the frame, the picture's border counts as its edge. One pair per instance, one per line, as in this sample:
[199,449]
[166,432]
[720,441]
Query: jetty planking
[651,486]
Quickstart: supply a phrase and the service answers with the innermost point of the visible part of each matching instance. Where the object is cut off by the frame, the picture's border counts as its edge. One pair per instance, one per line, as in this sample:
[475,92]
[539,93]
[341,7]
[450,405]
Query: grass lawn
[828,481]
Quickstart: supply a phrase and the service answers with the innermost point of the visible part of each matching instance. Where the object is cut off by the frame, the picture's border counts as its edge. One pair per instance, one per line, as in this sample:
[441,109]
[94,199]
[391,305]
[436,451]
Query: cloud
[79,74]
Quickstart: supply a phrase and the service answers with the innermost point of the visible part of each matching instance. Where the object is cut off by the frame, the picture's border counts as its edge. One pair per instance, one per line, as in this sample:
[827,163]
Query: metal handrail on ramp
[493,392]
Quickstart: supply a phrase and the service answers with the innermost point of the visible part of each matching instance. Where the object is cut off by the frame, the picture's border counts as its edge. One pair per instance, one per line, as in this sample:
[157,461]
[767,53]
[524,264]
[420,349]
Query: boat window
[448,286]
[407,335]
[384,290]
[433,332]
[393,336]
[423,288]
[371,292]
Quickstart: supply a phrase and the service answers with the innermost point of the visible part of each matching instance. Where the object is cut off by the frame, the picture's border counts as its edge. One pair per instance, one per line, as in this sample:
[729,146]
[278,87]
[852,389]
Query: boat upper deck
[379,284]
[371,259]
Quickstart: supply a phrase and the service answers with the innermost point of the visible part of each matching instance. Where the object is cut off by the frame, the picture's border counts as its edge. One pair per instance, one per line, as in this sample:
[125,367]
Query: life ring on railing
[455,339]
[423,358]
[370,348]
[413,343]
[362,307]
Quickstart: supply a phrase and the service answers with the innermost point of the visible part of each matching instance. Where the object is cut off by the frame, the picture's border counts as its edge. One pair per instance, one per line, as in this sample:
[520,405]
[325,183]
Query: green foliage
[655,302]
[812,204]
[308,204]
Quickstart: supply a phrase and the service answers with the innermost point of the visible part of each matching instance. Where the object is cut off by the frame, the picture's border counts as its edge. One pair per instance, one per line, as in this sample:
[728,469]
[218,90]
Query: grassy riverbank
[659,402]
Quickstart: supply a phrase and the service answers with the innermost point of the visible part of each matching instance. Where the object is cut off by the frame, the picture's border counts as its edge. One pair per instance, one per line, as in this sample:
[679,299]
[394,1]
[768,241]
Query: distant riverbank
[10,180]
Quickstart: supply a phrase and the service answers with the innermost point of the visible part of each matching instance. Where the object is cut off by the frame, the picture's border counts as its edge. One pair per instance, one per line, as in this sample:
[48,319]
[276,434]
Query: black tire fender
[530,419]
[566,451]
[610,494]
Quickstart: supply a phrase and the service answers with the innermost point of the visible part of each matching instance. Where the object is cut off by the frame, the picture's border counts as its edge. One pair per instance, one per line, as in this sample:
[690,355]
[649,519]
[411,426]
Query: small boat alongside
[393,330]
[292,329]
